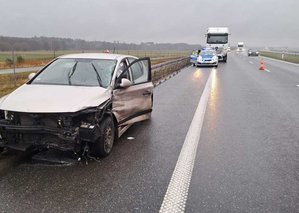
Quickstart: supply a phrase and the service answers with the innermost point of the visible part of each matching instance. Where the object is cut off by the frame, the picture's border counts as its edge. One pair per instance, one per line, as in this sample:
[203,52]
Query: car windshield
[206,52]
[77,72]
[217,39]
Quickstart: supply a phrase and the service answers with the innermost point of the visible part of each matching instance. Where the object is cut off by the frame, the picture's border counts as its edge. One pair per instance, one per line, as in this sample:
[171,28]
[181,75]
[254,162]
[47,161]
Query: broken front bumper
[24,137]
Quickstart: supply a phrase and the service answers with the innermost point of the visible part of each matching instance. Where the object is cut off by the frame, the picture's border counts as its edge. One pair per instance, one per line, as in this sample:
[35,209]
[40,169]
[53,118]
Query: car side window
[122,66]
[139,72]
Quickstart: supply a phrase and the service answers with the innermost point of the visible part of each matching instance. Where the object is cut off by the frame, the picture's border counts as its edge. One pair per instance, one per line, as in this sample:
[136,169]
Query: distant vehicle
[193,57]
[240,47]
[80,103]
[207,57]
[217,38]
[252,52]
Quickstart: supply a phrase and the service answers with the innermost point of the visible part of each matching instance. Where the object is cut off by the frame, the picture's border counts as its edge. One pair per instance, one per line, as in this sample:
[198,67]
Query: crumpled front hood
[53,98]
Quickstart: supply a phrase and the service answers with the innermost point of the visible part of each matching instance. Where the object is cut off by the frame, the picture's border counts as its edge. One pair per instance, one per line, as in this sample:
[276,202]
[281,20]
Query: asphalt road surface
[246,158]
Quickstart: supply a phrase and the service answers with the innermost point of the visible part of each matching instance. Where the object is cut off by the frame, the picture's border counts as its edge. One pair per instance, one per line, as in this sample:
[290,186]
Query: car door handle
[147,93]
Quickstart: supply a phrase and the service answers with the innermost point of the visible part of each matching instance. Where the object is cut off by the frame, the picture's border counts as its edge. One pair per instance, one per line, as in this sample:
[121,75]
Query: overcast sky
[256,22]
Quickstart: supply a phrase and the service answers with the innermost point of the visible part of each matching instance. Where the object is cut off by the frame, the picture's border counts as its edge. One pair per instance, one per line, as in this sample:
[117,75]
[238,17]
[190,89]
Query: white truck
[217,38]
[240,46]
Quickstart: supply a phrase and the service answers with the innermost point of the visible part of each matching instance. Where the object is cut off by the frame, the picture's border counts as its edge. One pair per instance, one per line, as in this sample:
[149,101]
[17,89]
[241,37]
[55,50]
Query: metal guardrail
[162,70]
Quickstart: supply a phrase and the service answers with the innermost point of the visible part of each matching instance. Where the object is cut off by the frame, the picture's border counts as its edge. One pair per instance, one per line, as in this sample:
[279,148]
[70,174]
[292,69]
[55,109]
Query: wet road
[247,156]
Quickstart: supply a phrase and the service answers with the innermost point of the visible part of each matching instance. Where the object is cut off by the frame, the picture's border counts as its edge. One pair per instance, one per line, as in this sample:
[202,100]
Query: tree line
[53,43]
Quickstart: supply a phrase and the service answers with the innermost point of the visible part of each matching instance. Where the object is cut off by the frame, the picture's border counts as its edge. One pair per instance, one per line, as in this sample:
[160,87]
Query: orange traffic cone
[262,66]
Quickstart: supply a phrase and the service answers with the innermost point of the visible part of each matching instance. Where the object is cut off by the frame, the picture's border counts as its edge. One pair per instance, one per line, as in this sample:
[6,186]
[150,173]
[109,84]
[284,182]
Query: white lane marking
[177,191]
[250,62]
[267,70]
[297,85]
[286,62]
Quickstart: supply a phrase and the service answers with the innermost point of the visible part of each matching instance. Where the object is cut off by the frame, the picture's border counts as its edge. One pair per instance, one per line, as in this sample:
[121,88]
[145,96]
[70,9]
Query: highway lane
[247,156]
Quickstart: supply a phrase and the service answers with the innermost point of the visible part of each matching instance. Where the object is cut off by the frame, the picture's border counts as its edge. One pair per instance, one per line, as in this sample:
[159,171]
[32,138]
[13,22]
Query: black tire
[225,59]
[102,147]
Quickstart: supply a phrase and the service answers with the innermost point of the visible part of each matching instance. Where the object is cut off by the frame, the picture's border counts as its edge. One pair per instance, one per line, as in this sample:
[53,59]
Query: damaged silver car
[79,102]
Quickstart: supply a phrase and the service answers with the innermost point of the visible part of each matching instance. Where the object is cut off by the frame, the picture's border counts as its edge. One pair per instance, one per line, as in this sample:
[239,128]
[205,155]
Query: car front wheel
[102,147]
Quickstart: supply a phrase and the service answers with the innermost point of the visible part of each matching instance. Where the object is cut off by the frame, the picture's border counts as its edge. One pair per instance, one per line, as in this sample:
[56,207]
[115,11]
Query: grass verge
[9,84]
[282,56]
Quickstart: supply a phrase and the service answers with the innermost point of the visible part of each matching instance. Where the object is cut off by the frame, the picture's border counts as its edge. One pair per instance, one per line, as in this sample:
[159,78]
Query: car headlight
[257,52]
[214,58]
[199,58]
[249,52]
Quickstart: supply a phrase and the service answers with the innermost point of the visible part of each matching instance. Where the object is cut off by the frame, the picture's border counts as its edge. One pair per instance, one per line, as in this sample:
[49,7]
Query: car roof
[107,56]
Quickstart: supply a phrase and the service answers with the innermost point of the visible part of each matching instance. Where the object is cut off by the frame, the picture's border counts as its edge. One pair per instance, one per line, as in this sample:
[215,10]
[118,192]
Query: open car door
[132,98]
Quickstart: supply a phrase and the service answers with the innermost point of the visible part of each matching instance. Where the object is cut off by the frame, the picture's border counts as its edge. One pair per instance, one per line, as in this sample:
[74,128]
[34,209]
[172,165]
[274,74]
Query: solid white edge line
[177,192]
[267,70]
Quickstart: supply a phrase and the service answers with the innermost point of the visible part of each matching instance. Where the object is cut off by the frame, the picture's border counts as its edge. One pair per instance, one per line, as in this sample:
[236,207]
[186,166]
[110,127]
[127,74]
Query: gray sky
[256,22]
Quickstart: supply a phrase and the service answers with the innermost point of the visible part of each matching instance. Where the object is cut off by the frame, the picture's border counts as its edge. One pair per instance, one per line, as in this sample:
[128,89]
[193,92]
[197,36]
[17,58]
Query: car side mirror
[125,83]
[31,75]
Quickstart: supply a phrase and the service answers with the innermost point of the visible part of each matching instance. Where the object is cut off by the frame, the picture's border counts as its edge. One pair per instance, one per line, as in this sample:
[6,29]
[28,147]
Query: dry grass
[29,63]
[7,82]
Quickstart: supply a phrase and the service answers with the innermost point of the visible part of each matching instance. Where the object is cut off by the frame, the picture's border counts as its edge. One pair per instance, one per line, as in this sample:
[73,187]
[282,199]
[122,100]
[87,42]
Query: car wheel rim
[108,139]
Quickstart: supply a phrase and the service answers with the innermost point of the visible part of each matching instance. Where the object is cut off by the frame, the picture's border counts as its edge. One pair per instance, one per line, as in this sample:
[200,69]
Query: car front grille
[28,119]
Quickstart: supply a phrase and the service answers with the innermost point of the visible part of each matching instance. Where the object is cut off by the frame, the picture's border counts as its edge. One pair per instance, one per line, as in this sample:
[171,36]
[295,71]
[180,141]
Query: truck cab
[217,38]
